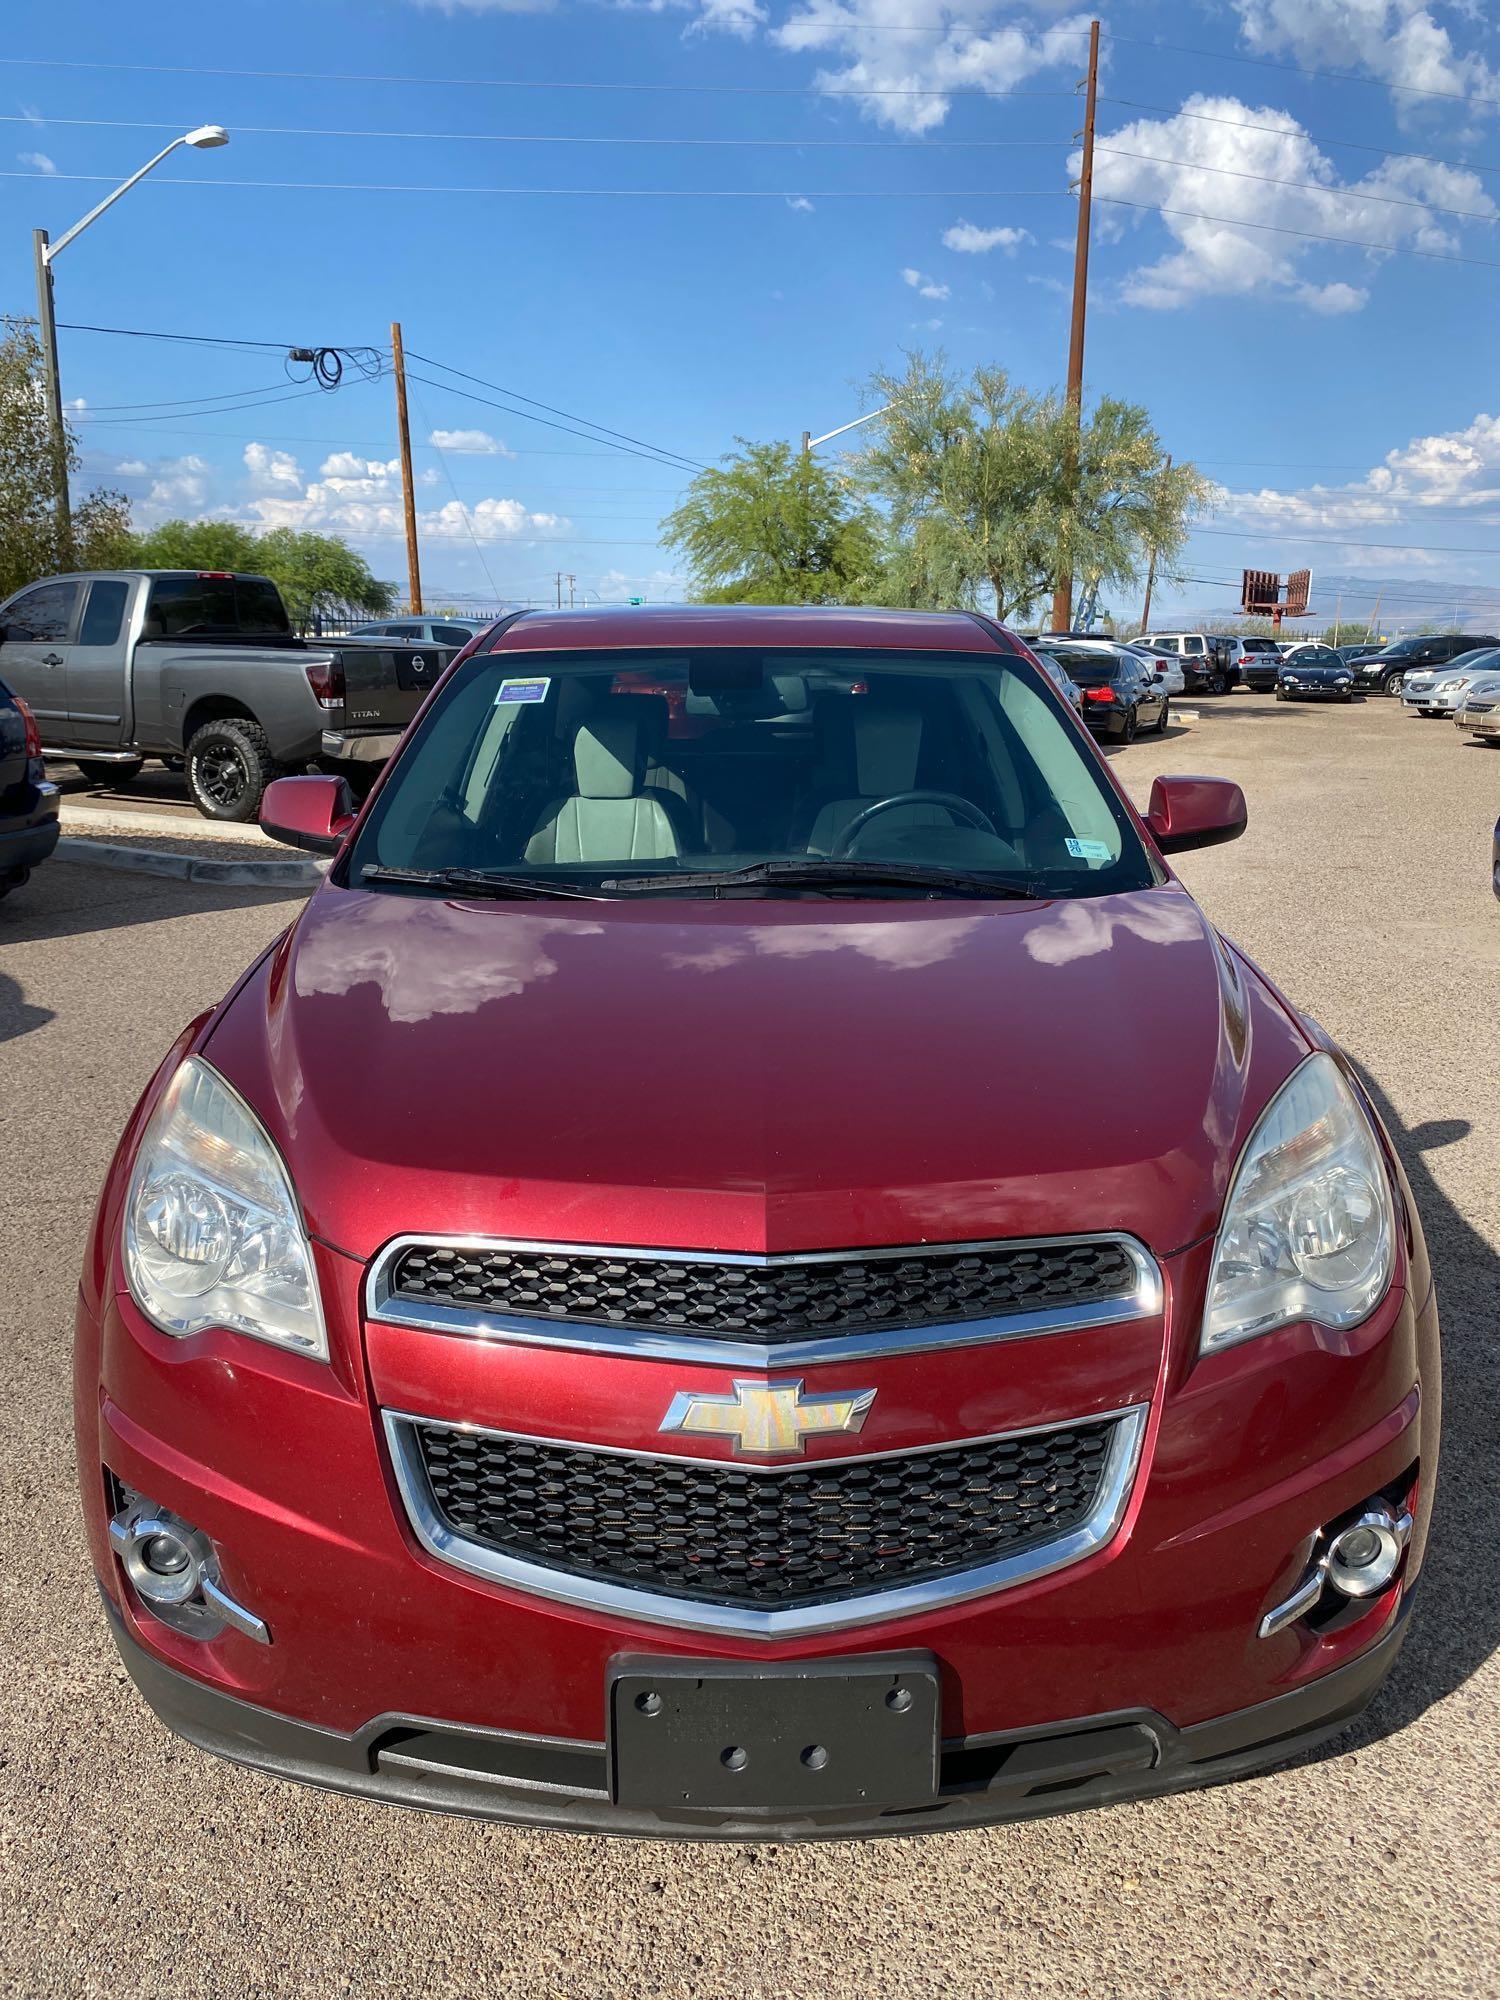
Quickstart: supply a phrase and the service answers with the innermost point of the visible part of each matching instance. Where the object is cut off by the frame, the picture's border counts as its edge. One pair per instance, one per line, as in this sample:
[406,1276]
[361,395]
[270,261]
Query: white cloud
[903,80]
[615,587]
[799,204]
[479,443]
[272,471]
[1170,164]
[924,287]
[42,162]
[1397,41]
[739,18]
[132,468]
[178,483]
[362,496]
[970,238]
[1456,473]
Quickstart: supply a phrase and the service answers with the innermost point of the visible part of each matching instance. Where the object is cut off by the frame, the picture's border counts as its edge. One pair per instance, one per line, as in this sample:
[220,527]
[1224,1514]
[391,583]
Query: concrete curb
[188,826]
[191,867]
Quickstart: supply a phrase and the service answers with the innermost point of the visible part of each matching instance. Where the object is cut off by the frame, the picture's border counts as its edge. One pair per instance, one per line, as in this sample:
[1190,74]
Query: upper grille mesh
[799,1535]
[766,1303]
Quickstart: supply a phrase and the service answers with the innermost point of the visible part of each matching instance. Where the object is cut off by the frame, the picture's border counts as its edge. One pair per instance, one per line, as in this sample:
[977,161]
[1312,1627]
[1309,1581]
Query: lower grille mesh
[798,1535]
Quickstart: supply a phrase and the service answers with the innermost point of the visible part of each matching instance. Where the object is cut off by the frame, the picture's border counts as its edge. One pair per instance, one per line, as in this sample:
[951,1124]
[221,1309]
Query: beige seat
[609,817]
[886,746]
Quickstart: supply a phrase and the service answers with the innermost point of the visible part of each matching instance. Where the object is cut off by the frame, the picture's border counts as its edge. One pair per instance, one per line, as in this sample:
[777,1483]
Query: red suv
[637,1313]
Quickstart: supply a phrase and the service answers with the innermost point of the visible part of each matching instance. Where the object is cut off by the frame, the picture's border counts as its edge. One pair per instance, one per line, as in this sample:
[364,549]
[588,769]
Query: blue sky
[895,174]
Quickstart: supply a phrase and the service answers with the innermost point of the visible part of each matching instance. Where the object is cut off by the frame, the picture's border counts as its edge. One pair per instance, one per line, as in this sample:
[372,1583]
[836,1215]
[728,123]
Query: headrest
[887,743]
[607,753]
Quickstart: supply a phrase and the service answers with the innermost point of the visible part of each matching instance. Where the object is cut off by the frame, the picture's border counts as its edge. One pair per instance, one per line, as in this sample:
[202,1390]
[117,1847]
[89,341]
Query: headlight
[1309,1231]
[213,1235]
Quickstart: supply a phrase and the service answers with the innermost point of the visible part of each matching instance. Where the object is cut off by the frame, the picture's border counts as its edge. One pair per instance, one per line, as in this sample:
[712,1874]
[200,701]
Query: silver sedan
[1441,690]
[1478,712]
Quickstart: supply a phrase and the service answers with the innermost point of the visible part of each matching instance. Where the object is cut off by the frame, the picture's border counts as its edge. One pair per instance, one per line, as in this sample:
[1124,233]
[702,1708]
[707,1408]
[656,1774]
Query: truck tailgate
[387,680]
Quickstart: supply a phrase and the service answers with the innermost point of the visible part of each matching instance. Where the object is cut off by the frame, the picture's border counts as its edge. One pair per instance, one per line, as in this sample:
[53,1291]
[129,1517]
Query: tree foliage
[30,542]
[990,497]
[772,526]
[315,573]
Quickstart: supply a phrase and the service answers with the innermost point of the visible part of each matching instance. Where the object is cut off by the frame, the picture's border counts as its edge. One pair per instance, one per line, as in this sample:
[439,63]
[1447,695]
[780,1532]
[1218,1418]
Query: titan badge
[768,1419]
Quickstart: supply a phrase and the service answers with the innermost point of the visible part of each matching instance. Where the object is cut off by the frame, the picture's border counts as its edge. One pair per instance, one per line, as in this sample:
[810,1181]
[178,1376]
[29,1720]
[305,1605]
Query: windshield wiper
[834,876]
[477,882]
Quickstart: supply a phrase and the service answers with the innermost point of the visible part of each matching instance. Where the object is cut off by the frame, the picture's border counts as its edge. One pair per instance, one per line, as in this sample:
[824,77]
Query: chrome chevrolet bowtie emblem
[768,1418]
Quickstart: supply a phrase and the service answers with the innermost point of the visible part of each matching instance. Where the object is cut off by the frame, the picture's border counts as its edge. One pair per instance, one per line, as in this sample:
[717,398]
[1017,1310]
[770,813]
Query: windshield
[583,768]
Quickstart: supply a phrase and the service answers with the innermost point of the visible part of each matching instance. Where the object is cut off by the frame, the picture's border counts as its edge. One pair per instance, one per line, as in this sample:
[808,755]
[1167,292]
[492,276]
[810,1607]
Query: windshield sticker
[1088,850]
[535,690]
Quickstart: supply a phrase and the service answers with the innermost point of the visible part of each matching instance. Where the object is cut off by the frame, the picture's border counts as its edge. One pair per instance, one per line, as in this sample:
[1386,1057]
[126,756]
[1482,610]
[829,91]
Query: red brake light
[33,734]
[1098,694]
[216,575]
[327,683]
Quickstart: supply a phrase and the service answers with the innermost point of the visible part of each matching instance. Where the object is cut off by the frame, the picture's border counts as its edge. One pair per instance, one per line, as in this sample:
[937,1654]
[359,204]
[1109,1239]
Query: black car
[1366,649]
[28,803]
[1314,673]
[1121,693]
[1384,670]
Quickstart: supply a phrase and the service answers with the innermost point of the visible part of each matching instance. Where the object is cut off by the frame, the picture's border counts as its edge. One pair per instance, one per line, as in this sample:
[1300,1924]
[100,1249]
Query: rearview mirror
[1193,812]
[312,813]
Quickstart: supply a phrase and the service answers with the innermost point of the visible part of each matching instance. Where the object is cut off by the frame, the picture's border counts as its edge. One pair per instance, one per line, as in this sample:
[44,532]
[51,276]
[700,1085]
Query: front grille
[791,1536]
[782,1299]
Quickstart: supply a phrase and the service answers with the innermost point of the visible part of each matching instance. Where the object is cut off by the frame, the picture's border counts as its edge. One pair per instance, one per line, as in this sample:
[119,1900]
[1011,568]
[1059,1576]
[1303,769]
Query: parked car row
[1122,689]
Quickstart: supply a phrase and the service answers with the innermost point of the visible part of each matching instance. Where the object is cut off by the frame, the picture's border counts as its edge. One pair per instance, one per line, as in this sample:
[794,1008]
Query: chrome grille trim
[1143,1301]
[738,1622]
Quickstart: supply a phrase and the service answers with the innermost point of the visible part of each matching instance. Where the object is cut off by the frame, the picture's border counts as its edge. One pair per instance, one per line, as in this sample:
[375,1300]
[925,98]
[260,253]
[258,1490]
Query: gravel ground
[132,1865]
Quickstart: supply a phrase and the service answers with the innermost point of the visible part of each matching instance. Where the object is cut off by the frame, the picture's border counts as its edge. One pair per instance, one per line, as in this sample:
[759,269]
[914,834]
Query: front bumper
[1317,691]
[1094,1760]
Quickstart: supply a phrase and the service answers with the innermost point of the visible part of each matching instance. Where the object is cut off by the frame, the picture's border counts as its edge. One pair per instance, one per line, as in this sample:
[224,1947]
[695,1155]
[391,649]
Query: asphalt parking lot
[131,1865]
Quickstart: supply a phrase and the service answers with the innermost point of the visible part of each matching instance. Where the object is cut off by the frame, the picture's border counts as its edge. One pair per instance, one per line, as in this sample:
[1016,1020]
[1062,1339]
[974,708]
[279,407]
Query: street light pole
[46,320]
[201,137]
[810,443]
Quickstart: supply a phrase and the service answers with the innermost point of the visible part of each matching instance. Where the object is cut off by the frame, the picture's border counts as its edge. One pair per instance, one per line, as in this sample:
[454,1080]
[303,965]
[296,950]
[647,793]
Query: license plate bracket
[799,1736]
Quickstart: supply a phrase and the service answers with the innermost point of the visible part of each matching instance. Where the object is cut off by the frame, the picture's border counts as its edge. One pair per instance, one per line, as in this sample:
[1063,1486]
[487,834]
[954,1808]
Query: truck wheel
[98,773]
[229,765]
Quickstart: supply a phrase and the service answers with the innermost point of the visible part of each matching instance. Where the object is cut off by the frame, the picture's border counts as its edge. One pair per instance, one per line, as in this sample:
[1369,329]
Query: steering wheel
[965,808]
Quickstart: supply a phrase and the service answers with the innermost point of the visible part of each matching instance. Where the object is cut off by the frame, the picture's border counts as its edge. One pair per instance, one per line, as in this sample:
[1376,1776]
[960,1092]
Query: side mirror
[313,813]
[1192,812]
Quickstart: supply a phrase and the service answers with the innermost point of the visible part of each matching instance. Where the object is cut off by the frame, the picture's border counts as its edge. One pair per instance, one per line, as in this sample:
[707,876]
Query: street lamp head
[206,135]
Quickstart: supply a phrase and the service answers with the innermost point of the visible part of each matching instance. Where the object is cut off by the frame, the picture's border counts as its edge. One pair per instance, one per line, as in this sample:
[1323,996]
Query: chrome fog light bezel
[191,1599]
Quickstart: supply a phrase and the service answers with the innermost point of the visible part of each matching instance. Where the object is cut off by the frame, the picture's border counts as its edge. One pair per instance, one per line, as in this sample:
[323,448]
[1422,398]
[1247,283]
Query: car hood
[1294,670]
[756,1074]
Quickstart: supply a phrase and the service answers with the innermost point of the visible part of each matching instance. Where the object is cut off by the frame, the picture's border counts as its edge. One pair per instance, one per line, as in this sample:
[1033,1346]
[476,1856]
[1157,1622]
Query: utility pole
[1062,599]
[58,438]
[1151,573]
[408,496]
[572,599]
[1338,605]
[558,580]
[1374,625]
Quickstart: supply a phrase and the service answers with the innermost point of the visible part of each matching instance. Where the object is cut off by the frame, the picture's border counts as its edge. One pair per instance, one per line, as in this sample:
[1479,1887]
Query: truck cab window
[103,613]
[45,613]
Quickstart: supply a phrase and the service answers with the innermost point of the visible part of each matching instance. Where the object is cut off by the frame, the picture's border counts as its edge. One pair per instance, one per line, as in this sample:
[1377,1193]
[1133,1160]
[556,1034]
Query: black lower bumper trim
[552,1782]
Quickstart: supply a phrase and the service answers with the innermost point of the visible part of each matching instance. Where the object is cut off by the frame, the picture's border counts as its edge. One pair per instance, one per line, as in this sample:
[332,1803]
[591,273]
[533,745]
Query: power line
[548,138]
[1343,541]
[650,454]
[410,82]
[1310,236]
[1342,193]
[660,451]
[1280,132]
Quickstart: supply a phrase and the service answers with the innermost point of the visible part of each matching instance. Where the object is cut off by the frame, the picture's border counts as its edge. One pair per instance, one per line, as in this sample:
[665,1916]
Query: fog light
[1358,1560]
[175,1572]
[1363,1557]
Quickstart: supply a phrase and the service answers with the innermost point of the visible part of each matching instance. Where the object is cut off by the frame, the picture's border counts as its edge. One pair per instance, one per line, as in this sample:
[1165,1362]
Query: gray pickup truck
[122,665]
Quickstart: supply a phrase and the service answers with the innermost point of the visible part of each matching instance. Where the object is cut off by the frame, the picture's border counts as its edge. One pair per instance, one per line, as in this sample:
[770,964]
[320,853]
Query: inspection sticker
[522,691]
[1088,850]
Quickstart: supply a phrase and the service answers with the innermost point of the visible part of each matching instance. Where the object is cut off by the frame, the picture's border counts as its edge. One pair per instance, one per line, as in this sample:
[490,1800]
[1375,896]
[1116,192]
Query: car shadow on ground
[17,1016]
[1455,1621]
[70,899]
